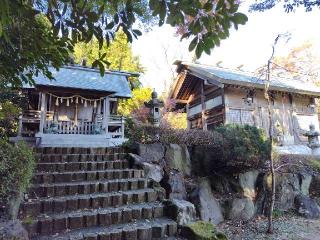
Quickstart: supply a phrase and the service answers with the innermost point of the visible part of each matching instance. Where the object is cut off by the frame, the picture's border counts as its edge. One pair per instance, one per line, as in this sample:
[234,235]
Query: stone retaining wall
[219,191]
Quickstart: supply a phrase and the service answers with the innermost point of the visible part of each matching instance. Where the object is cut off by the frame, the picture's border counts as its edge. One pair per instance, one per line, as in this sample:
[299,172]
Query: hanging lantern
[71,100]
[61,100]
[85,103]
[67,102]
[57,102]
[95,104]
[77,100]
[82,100]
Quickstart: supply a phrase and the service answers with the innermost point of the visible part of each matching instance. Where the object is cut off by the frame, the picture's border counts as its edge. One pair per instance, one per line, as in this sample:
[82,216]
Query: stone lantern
[154,105]
[313,140]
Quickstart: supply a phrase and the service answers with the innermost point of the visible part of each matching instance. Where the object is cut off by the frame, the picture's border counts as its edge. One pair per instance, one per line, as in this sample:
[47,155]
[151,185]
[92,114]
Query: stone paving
[92,194]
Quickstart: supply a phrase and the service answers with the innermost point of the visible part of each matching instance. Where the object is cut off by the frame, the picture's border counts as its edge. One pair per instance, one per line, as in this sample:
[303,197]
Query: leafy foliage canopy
[34,34]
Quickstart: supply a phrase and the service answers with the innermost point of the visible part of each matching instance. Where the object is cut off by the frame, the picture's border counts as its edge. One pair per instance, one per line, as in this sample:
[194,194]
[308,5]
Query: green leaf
[220,4]
[116,18]
[1,29]
[162,12]
[233,8]
[137,32]
[199,50]
[103,56]
[240,18]
[193,44]
[197,27]
[185,35]
[110,25]
[208,6]
[101,68]
[95,63]
[153,4]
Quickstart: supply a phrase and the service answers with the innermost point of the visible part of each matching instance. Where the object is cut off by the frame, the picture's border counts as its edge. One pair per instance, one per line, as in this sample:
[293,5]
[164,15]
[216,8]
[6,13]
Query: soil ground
[286,227]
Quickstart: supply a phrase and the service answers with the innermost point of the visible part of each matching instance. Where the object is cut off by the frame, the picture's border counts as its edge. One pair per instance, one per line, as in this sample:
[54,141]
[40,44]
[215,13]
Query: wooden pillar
[203,106]
[20,125]
[43,109]
[122,126]
[188,122]
[106,114]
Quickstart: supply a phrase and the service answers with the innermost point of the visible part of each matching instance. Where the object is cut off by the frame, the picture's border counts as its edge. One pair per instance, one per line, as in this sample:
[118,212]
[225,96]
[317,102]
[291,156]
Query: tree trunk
[273,184]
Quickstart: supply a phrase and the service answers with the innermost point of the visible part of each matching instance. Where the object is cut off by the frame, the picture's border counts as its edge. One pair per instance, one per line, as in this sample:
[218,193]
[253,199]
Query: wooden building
[77,108]
[214,96]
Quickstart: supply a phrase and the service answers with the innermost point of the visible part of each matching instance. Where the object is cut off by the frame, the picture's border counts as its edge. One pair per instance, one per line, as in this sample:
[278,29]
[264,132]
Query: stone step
[86,201]
[146,229]
[79,176]
[81,166]
[58,223]
[87,187]
[79,150]
[55,158]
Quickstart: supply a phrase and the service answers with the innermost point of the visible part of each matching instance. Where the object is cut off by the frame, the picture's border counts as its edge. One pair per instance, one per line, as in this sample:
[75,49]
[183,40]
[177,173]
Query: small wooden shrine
[77,108]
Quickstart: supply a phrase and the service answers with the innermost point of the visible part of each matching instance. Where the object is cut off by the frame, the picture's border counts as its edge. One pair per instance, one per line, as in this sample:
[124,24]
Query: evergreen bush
[17,164]
[147,134]
[243,142]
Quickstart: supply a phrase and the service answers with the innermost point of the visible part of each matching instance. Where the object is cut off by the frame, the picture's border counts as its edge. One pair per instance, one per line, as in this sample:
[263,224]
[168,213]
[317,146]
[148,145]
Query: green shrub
[147,134]
[17,164]
[11,103]
[315,164]
[243,142]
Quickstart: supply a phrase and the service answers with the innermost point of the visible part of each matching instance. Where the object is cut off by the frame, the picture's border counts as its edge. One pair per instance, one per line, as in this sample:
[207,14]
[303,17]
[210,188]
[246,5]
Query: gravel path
[288,227]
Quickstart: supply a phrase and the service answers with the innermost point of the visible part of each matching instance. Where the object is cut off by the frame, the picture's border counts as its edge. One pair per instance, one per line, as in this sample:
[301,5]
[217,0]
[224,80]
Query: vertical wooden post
[43,110]
[106,114]
[225,106]
[20,125]
[203,106]
[122,127]
[188,121]
[39,101]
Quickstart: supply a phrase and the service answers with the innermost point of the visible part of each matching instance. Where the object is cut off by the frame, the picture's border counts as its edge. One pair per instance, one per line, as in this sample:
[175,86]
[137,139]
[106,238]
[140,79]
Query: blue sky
[250,45]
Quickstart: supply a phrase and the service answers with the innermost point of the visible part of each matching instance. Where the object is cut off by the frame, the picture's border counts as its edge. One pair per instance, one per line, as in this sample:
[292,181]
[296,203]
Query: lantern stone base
[315,149]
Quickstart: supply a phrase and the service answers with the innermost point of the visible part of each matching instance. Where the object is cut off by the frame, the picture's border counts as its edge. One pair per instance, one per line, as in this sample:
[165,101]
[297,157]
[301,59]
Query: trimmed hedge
[243,142]
[147,134]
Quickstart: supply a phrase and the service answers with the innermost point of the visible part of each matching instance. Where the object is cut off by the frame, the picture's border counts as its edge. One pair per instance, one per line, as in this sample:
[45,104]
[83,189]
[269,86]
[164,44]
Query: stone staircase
[92,194]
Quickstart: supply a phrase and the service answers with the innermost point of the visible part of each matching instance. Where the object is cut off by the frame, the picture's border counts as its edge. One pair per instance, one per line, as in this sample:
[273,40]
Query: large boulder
[305,181]
[153,153]
[152,171]
[315,186]
[241,209]
[287,187]
[306,206]
[247,182]
[177,157]
[183,212]
[173,182]
[208,206]
[202,231]
[13,230]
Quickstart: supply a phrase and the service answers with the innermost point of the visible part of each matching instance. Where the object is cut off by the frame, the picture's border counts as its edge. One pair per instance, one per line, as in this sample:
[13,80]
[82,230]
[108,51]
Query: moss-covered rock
[201,230]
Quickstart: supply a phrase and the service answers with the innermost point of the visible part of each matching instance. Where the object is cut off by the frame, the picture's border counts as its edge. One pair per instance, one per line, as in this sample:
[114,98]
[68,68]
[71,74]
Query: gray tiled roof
[87,79]
[226,76]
